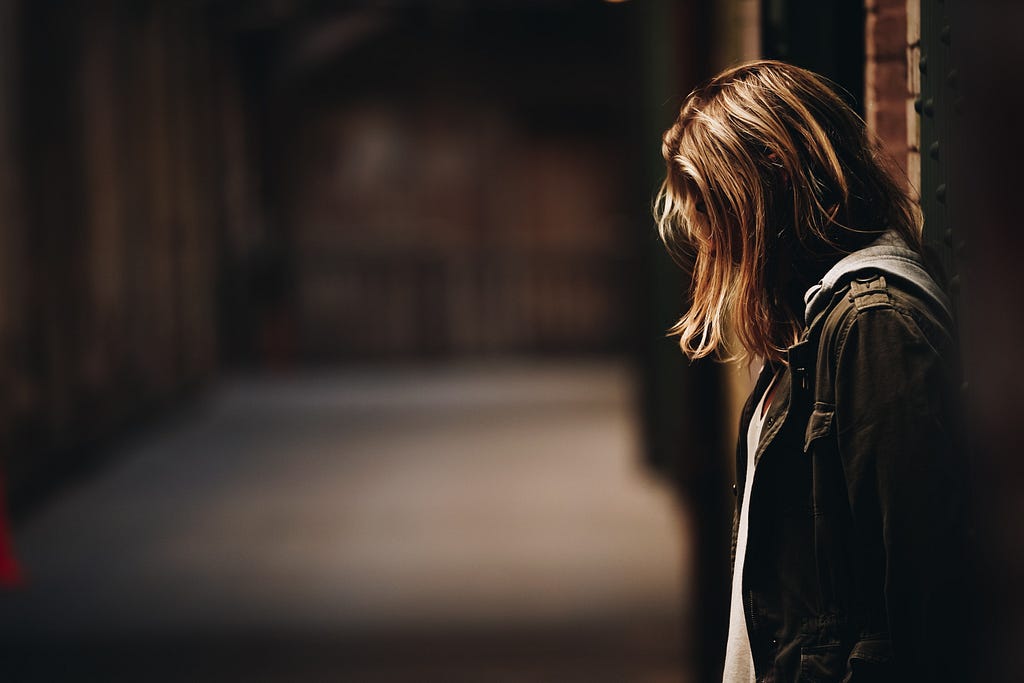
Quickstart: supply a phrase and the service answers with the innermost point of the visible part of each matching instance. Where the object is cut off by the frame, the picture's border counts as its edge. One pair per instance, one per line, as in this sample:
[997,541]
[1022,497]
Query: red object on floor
[10,572]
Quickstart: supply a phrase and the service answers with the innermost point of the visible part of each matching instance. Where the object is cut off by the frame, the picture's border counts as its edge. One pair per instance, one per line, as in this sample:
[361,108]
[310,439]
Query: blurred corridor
[474,522]
[323,337]
[332,335]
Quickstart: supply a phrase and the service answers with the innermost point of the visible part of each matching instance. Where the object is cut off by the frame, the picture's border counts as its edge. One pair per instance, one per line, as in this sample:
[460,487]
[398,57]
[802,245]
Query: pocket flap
[819,425]
[877,650]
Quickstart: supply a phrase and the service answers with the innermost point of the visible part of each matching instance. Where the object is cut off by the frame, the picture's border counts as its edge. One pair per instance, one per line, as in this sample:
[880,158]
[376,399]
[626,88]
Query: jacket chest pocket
[827,479]
[819,424]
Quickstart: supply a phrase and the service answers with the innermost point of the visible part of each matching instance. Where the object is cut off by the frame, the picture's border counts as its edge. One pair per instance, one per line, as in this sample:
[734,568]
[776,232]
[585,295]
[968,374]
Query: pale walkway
[476,522]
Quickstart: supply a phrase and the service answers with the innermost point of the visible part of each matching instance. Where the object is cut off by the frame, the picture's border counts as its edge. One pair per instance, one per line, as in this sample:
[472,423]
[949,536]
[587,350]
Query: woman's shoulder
[888,314]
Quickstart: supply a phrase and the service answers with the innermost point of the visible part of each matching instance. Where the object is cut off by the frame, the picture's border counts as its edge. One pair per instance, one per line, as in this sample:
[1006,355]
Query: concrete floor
[474,522]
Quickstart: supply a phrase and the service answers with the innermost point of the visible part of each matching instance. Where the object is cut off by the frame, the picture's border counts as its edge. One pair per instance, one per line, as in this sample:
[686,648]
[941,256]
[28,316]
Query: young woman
[850,534]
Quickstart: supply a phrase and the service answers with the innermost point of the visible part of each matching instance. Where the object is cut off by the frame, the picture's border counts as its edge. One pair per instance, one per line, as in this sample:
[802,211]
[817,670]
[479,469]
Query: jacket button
[734,489]
[770,421]
[775,642]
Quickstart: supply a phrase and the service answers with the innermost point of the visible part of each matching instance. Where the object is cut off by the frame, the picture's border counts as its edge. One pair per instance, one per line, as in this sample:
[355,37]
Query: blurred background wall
[116,204]
[267,185]
[193,192]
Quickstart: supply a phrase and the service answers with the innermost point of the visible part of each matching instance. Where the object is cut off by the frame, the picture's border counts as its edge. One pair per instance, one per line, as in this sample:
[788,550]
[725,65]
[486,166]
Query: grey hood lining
[889,255]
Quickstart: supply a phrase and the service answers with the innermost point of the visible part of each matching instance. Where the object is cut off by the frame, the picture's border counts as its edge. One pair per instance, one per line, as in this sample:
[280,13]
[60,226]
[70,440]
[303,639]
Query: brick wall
[891,82]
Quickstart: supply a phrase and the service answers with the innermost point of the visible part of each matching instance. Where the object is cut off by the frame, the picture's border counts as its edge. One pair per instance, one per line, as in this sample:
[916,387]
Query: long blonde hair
[768,170]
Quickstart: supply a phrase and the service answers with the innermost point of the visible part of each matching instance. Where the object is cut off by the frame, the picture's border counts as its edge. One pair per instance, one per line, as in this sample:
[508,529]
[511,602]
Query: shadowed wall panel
[116,310]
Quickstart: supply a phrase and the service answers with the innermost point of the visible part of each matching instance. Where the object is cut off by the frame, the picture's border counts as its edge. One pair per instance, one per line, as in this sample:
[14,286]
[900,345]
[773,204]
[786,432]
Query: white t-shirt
[739,662]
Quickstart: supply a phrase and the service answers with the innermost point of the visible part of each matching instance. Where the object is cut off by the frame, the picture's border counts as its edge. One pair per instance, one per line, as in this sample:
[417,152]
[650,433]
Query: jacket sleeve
[895,426]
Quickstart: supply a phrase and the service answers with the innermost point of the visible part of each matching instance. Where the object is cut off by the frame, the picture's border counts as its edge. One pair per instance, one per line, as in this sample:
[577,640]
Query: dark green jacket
[858,550]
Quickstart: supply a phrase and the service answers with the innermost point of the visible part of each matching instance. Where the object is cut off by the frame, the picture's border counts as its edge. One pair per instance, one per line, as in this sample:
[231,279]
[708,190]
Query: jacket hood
[889,255]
